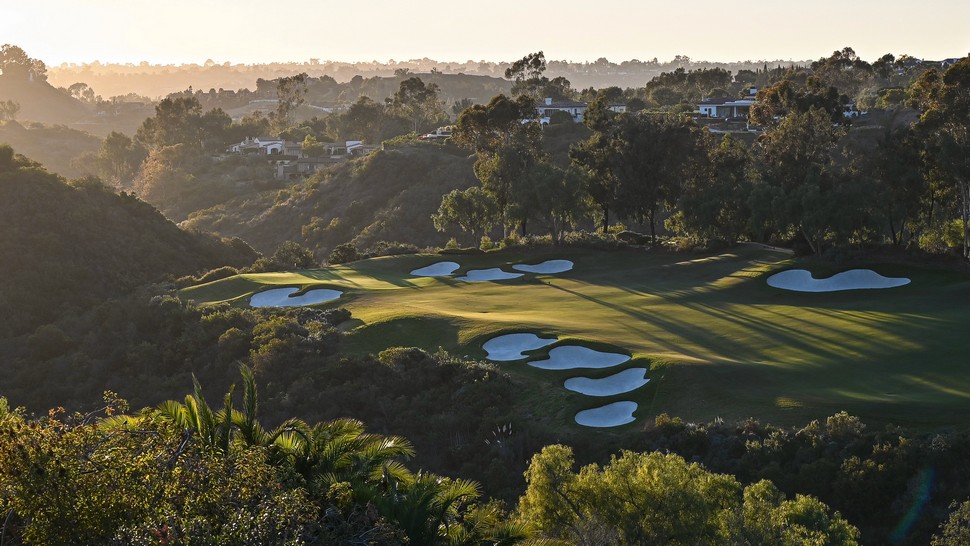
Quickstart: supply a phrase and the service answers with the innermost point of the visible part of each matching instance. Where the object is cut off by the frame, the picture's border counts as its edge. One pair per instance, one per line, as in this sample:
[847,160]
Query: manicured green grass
[718,340]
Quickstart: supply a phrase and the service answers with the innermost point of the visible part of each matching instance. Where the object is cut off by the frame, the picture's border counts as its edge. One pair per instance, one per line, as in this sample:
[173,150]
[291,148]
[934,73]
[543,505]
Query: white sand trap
[801,280]
[568,357]
[547,267]
[618,383]
[493,274]
[440,269]
[610,415]
[280,297]
[511,346]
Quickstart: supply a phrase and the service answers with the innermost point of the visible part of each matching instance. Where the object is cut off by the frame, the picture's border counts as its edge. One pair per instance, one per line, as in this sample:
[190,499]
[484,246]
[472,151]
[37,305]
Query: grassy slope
[719,341]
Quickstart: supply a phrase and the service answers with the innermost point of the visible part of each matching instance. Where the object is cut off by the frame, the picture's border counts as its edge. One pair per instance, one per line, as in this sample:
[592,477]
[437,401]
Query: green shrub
[585,239]
[486,243]
[385,248]
[344,253]
[218,273]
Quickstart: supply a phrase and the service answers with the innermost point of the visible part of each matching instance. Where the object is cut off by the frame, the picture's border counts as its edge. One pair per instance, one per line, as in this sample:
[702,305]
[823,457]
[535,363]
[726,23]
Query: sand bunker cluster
[511,347]
[523,346]
[447,269]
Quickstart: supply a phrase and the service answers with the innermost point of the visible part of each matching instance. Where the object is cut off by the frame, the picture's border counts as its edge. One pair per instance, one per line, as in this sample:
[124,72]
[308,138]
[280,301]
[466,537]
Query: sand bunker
[801,280]
[440,269]
[619,383]
[511,346]
[610,415]
[280,297]
[493,274]
[546,267]
[568,357]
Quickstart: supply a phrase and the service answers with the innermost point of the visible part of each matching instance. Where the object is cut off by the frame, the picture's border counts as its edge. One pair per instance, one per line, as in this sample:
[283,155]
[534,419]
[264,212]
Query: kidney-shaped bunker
[800,280]
[618,383]
[568,357]
[440,269]
[511,346]
[282,297]
[610,415]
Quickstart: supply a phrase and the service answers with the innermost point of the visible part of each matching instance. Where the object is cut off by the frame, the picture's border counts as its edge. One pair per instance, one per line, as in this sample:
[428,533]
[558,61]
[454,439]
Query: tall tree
[418,103]
[526,74]
[714,204]
[473,210]
[553,195]
[593,156]
[895,165]
[362,121]
[16,64]
[796,169]
[528,79]
[290,94]
[118,159]
[649,157]
[176,121]
[507,145]
[945,124]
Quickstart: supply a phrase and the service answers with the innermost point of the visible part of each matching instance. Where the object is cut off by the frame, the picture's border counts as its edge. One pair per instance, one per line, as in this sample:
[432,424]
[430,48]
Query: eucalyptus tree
[553,195]
[418,103]
[903,190]
[290,94]
[508,144]
[945,127]
[799,179]
[714,202]
[636,164]
[649,156]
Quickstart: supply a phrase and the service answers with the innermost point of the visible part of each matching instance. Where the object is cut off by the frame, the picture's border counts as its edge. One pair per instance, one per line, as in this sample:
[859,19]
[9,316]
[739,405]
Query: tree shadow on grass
[426,333]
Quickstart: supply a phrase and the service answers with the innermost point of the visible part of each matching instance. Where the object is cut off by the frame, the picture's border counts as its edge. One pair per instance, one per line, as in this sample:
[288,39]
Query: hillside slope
[388,196]
[53,146]
[40,101]
[73,245]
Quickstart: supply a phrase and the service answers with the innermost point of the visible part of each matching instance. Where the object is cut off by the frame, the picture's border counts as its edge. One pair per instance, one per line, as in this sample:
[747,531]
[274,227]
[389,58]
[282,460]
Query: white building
[575,109]
[267,146]
[726,107]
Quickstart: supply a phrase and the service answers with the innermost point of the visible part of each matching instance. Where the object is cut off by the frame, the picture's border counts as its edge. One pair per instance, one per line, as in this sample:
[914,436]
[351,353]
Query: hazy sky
[251,31]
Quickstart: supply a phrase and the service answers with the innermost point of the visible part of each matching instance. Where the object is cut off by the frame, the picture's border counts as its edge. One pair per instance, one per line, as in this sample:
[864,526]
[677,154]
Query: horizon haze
[182,32]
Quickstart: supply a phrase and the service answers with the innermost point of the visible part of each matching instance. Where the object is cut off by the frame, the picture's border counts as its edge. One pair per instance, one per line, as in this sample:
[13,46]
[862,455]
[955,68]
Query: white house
[575,109]
[726,107]
[548,107]
[267,146]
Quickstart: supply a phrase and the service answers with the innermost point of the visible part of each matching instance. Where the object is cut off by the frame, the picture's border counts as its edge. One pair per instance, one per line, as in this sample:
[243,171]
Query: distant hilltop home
[727,107]
[292,161]
[441,133]
[303,166]
[576,109]
[267,146]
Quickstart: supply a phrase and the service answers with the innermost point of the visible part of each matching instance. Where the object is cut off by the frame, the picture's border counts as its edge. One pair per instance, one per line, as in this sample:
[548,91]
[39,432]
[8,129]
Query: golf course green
[716,339]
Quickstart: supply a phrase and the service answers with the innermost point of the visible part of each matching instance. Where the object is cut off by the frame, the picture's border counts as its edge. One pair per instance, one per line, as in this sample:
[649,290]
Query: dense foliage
[67,245]
[188,473]
[652,498]
[911,478]
[73,318]
[387,196]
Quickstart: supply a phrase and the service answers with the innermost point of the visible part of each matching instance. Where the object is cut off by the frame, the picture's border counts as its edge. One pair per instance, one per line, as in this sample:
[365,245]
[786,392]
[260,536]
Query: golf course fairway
[716,339]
